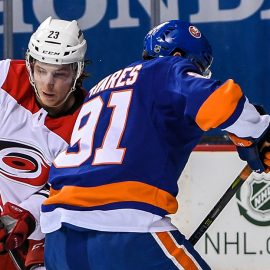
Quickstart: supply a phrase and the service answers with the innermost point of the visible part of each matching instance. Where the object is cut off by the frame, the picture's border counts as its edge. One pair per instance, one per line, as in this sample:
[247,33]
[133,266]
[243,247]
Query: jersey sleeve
[213,104]
[208,102]
[250,123]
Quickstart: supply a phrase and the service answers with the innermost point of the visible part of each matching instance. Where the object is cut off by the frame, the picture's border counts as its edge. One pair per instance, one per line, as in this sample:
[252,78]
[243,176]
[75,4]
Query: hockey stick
[237,183]
[17,260]
[15,257]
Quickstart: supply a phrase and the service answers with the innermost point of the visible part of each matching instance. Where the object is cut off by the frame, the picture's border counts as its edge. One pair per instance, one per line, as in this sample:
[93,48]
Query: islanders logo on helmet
[194,31]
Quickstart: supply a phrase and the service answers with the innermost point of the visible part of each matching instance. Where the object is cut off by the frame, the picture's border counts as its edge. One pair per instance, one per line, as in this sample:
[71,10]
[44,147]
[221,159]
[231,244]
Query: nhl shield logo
[253,200]
[260,195]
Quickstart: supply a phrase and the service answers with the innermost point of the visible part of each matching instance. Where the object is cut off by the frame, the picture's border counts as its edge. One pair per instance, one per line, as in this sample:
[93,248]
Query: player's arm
[224,106]
[251,135]
[212,104]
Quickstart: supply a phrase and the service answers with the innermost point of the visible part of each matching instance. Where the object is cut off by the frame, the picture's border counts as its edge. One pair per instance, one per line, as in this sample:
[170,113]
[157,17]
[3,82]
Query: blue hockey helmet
[179,36]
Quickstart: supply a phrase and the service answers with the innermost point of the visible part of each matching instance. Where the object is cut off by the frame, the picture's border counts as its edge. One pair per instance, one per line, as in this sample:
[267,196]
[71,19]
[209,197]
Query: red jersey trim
[18,86]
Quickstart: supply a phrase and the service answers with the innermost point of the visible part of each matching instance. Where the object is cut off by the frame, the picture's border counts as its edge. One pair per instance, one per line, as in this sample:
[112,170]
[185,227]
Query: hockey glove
[35,255]
[19,224]
[255,152]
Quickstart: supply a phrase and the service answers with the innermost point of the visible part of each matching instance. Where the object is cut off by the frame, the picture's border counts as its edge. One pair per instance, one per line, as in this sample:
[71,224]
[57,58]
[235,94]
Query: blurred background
[239,31]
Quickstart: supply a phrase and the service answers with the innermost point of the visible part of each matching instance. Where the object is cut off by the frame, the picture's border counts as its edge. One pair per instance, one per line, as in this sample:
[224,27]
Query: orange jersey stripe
[175,251]
[219,106]
[129,191]
[240,141]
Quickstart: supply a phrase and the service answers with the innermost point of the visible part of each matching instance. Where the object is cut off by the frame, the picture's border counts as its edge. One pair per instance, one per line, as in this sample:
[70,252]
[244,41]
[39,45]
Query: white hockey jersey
[29,140]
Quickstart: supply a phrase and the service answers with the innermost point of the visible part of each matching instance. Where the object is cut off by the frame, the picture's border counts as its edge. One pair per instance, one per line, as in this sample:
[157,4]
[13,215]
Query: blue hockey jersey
[131,141]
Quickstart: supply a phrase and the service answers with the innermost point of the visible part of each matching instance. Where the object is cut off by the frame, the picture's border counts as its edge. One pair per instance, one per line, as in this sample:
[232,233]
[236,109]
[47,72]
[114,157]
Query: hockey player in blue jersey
[112,190]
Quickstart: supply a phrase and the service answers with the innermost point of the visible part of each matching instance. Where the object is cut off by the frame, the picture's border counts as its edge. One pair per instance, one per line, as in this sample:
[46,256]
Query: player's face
[53,82]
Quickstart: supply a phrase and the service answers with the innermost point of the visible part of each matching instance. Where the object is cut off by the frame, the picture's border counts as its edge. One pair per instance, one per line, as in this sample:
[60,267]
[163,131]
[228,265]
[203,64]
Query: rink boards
[239,238]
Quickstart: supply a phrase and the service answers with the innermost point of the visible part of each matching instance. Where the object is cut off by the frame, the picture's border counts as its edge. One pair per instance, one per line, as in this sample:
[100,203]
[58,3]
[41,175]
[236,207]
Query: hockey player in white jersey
[40,98]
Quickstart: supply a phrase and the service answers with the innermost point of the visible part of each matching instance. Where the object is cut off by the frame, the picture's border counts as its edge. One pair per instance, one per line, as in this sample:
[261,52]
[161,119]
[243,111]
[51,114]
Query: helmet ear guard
[176,35]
